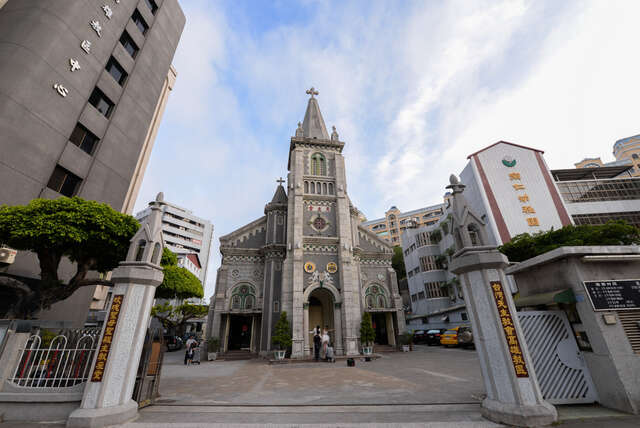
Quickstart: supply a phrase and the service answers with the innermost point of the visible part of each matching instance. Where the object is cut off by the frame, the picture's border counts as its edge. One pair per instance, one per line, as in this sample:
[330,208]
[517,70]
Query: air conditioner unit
[7,255]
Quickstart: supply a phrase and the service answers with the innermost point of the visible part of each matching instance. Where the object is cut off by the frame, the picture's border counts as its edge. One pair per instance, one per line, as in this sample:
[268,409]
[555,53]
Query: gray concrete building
[83,88]
[309,256]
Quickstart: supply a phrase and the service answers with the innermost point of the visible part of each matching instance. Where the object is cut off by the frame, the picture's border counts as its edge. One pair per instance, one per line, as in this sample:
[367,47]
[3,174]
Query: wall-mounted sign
[509,329]
[508,161]
[107,338]
[309,267]
[614,294]
[332,267]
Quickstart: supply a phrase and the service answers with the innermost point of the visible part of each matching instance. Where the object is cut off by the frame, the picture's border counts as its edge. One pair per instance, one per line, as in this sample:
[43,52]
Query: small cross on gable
[280,181]
[312,92]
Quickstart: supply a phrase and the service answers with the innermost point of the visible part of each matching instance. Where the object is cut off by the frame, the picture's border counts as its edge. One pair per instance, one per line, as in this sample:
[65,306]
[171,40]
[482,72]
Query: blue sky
[412,87]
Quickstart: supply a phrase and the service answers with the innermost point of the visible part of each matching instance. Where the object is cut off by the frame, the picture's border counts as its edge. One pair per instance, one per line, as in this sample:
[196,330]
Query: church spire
[313,125]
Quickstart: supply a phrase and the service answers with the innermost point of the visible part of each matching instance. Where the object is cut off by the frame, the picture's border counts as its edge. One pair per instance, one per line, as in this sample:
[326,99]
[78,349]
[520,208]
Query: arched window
[375,297]
[306,187]
[318,165]
[331,188]
[157,253]
[243,296]
[324,188]
[474,235]
[313,187]
[140,253]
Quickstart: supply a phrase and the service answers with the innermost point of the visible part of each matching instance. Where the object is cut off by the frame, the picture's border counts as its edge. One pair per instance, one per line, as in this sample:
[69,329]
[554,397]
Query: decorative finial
[280,181]
[312,92]
[299,131]
[334,134]
[160,197]
[453,179]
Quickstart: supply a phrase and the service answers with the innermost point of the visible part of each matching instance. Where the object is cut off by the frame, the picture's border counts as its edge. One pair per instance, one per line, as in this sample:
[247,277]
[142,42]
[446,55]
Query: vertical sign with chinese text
[107,338]
[509,329]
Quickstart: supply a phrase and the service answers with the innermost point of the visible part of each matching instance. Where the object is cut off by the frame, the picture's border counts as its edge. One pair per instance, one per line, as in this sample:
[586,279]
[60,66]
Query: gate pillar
[513,392]
[107,398]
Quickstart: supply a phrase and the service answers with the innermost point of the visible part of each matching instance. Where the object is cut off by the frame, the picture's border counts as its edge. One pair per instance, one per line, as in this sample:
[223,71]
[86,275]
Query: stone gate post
[513,392]
[107,398]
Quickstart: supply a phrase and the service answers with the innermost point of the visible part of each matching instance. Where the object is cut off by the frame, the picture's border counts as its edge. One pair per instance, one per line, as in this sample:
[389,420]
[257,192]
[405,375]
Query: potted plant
[367,334]
[213,344]
[281,338]
[406,340]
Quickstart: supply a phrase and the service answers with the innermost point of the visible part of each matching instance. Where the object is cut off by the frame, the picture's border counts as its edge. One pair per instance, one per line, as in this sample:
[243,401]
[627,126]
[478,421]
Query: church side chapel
[308,256]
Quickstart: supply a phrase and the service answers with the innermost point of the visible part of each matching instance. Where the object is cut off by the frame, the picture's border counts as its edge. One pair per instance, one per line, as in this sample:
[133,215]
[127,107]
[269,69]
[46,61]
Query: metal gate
[563,376]
[145,389]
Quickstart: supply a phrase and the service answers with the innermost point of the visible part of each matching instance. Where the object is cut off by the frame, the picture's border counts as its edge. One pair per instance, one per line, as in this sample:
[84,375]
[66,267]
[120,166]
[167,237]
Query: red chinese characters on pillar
[506,320]
[107,338]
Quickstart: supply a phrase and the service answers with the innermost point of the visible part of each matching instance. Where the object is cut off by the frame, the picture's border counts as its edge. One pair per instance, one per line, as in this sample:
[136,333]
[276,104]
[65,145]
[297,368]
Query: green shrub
[282,335]
[367,333]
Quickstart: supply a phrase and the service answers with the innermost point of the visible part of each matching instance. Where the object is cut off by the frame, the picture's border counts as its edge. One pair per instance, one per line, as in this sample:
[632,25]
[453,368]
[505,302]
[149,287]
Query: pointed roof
[280,197]
[313,125]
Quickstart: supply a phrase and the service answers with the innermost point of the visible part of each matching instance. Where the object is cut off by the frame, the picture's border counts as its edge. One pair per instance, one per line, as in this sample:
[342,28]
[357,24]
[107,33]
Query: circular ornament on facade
[235,273]
[309,267]
[332,267]
[508,161]
[319,223]
[380,277]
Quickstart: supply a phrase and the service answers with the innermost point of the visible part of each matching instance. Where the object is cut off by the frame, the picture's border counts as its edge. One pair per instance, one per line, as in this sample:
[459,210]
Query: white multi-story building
[513,191]
[185,235]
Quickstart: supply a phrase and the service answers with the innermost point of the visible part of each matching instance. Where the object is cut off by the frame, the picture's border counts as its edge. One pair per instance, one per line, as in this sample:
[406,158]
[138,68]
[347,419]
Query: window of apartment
[394,239]
[428,263]
[152,6]
[410,274]
[634,156]
[421,295]
[84,139]
[128,44]
[100,101]
[116,71]
[464,316]
[140,22]
[64,182]
[436,289]
[414,297]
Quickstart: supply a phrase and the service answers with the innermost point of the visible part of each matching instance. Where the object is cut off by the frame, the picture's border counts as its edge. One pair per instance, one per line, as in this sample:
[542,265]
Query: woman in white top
[325,340]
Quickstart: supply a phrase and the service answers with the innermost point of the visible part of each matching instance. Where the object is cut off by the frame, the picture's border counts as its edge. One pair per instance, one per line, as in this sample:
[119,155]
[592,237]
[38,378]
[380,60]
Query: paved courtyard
[428,375]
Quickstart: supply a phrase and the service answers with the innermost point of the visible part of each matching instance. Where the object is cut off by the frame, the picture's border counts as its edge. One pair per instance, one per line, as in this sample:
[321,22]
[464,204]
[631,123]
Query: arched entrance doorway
[321,313]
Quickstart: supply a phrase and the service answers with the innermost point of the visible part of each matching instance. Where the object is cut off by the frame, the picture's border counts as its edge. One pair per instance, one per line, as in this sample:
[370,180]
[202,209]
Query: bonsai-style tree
[435,236]
[94,236]
[178,283]
[367,333]
[174,318]
[213,344]
[526,246]
[281,338]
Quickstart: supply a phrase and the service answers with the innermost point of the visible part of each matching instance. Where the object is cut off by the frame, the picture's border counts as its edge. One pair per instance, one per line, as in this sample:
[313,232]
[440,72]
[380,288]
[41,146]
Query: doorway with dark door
[240,333]
[379,324]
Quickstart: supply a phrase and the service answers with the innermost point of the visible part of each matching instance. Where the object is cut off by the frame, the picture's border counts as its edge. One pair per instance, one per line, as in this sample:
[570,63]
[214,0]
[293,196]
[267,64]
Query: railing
[599,190]
[66,362]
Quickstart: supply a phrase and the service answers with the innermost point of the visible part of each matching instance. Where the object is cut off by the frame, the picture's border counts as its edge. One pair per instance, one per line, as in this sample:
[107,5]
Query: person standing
[325,341]
[317,342]
[190,342]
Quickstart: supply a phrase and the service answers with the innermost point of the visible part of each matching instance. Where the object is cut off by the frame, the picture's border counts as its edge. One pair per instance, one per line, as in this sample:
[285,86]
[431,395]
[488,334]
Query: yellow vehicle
[450,337]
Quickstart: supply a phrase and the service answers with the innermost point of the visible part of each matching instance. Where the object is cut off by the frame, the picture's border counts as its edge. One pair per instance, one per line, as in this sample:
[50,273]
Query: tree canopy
[178,282]
[91,234]
[174,318]
[397,262]
[282,333]
[525,246]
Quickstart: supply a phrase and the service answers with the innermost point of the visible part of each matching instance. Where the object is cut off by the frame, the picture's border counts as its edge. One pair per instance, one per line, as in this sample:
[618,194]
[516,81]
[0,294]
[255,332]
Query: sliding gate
[562,373]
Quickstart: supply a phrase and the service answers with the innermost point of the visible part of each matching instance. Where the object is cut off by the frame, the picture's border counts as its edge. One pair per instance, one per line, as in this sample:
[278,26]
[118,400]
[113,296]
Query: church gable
[253,235]
[369,242]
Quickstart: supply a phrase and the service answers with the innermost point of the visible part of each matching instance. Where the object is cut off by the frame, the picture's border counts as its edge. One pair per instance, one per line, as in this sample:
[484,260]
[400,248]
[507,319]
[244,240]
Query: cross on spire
[312,92]
[280,181]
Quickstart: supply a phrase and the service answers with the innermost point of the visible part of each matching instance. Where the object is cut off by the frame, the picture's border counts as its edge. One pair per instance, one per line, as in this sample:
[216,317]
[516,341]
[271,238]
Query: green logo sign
[508,161]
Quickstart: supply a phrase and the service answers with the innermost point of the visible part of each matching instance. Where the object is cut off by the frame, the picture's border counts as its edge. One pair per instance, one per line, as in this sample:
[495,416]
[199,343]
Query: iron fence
[61,361]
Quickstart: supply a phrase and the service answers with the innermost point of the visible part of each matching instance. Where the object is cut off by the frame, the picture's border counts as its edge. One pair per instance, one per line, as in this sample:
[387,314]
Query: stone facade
[309,256]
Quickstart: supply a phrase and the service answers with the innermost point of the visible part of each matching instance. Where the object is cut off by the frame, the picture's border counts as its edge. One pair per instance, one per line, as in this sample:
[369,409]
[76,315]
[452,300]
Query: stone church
[309,256]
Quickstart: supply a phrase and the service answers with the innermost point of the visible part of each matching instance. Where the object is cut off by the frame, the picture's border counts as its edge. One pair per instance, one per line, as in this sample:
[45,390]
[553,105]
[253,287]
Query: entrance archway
[321,313]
